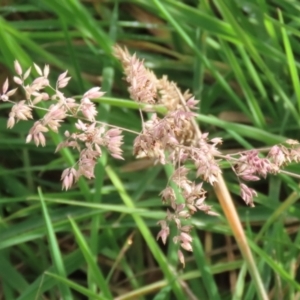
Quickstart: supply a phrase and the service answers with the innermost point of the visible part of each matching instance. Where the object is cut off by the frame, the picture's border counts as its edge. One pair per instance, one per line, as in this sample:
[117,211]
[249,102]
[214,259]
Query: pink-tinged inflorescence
[174,138]
[90,137]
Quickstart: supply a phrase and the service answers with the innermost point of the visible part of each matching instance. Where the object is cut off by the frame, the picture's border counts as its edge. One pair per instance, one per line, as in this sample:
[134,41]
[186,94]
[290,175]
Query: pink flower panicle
[159,138]
[91,136]
[173,138]
[88,142]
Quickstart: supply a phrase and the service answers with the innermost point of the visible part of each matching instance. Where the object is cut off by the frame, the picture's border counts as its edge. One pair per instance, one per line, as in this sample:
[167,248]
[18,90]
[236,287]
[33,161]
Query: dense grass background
[241,58]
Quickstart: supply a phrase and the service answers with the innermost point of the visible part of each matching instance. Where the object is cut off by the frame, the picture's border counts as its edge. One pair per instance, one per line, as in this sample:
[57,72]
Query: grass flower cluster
[90,136]
[174,138]
[142,180]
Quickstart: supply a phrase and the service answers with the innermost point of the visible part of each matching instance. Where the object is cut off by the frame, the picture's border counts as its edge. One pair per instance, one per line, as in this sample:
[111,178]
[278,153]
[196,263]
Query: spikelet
[169,96]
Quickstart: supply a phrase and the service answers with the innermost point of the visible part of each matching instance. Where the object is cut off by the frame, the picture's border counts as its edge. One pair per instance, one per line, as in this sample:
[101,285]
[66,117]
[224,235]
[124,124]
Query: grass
[97,241]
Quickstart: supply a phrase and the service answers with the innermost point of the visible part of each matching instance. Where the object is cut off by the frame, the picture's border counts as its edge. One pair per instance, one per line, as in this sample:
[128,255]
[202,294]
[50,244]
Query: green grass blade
[152,244]
[290,59]
[84,291]
[92,264]
[56,255]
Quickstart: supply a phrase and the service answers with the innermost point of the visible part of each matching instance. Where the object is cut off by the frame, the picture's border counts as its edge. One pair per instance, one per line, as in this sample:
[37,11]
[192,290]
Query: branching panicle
[174,138]
[91,136]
